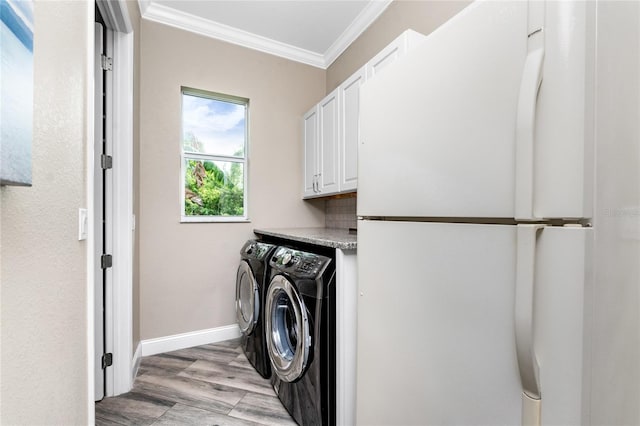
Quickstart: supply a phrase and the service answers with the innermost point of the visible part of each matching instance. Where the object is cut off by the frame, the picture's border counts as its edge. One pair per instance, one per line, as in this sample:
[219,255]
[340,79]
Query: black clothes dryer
[300,334]
[251,282]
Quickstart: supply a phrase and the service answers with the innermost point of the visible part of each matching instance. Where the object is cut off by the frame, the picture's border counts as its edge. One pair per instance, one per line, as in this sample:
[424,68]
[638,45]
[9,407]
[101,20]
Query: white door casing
[99,377]
[118,302]
[123,219]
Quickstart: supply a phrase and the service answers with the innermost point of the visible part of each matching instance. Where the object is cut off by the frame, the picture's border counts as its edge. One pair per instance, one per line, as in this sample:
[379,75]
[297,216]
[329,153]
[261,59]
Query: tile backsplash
[340,213]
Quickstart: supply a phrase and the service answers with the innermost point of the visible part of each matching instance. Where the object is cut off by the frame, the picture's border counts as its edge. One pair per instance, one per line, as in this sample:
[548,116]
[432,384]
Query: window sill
[204,219]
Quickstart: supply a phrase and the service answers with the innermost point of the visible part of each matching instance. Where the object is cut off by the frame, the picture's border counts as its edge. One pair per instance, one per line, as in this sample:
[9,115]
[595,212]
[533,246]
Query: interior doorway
[111,178]
[102,203]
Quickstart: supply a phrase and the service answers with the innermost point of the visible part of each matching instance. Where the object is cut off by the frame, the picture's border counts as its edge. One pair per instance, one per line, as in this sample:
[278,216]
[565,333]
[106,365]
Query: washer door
[247,299]
[287,330]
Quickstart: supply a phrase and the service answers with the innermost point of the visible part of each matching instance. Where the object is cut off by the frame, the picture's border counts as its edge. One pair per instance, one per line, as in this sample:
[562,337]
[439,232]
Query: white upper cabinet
[349,113]
[332,129]
[328,147]
[310,132]
[393,51]
[322,147]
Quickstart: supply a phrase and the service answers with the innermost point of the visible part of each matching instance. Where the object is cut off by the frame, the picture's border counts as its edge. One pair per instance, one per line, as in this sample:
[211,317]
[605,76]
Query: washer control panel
[299,263]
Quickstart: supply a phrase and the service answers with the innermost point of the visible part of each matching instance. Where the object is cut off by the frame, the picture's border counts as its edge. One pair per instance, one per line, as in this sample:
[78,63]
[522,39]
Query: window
[214,157]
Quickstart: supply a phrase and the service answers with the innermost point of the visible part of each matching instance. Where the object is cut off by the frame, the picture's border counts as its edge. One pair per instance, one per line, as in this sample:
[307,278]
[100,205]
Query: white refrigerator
[479,205]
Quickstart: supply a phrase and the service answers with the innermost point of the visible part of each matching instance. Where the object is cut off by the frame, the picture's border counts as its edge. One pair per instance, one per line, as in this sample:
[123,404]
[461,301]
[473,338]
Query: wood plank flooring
[206,385]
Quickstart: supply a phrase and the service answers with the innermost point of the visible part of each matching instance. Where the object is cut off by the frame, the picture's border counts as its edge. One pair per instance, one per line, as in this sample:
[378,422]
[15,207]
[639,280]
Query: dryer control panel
[256,250]
[299,263]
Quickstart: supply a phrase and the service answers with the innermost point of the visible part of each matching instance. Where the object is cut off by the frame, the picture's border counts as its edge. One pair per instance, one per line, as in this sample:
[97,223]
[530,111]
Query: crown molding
[153,11]
[368,15]
[186,21]
[143,5]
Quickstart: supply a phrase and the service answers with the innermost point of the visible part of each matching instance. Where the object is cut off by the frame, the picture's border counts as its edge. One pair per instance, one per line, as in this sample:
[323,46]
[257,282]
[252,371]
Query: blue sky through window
[218,125]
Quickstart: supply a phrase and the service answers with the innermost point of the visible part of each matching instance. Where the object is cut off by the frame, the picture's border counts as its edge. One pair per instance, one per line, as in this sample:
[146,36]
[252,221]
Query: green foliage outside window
[210,190]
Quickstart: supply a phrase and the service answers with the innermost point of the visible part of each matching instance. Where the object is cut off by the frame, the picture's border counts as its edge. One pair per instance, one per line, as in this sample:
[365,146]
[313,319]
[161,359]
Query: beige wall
[134,16]
[422,16]
[43,265]
[187,271]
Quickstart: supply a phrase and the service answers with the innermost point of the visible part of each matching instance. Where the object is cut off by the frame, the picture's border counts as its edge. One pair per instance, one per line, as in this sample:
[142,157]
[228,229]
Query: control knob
[286,259]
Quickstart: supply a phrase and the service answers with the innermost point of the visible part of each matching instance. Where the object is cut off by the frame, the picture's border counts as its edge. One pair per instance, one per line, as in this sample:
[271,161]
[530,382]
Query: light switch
[83,224]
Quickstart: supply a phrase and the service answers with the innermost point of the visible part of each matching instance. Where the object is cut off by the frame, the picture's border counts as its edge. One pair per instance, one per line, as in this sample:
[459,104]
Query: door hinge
[107,63]
[107,360]
[106,161]
[106,261]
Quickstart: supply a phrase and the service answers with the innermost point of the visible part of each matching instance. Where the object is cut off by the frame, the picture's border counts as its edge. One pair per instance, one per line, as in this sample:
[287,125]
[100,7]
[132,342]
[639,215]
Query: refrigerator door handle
[525,127]
[524,311]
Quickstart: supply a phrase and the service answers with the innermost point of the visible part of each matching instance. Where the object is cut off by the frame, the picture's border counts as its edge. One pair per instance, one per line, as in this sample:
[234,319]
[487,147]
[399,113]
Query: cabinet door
[328,148]
[393,51]
[397,48]
[349,113]
[310,160]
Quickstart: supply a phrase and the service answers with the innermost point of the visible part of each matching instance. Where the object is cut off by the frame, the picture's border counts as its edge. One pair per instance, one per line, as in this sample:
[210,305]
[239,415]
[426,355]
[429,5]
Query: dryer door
[287,330]
[247,299]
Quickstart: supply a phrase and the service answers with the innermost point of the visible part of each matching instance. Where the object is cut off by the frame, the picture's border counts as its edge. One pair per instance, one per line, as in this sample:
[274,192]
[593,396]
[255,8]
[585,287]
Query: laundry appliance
[499,191]
[251,281]
[300,331]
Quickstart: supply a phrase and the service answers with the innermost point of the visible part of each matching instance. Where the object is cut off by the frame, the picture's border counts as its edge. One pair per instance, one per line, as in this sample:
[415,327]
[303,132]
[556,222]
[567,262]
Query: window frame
[198,156]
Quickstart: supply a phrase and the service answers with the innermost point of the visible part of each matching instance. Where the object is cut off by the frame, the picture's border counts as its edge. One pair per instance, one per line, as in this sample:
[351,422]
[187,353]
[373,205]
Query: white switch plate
[83,224]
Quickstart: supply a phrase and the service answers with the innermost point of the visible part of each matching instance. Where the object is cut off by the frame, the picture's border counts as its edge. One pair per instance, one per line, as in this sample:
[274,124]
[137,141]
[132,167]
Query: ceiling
[313,32]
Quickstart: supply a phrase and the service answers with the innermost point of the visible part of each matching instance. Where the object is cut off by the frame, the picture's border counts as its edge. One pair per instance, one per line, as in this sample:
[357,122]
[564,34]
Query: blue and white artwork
[16,91]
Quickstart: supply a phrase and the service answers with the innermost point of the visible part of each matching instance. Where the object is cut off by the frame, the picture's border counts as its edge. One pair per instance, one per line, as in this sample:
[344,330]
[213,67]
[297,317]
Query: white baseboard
[187,340]
[137,356]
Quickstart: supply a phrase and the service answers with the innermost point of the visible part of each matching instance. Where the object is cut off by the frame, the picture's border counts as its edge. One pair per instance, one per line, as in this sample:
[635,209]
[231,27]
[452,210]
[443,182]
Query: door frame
[102,185]
[119,293]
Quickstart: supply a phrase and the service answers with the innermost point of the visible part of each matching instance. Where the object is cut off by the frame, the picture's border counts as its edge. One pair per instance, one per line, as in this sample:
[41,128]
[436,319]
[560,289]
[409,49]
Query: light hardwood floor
[206,385]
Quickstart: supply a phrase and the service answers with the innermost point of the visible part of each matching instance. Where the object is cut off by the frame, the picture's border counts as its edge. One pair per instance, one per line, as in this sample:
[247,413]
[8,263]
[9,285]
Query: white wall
[43,317]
